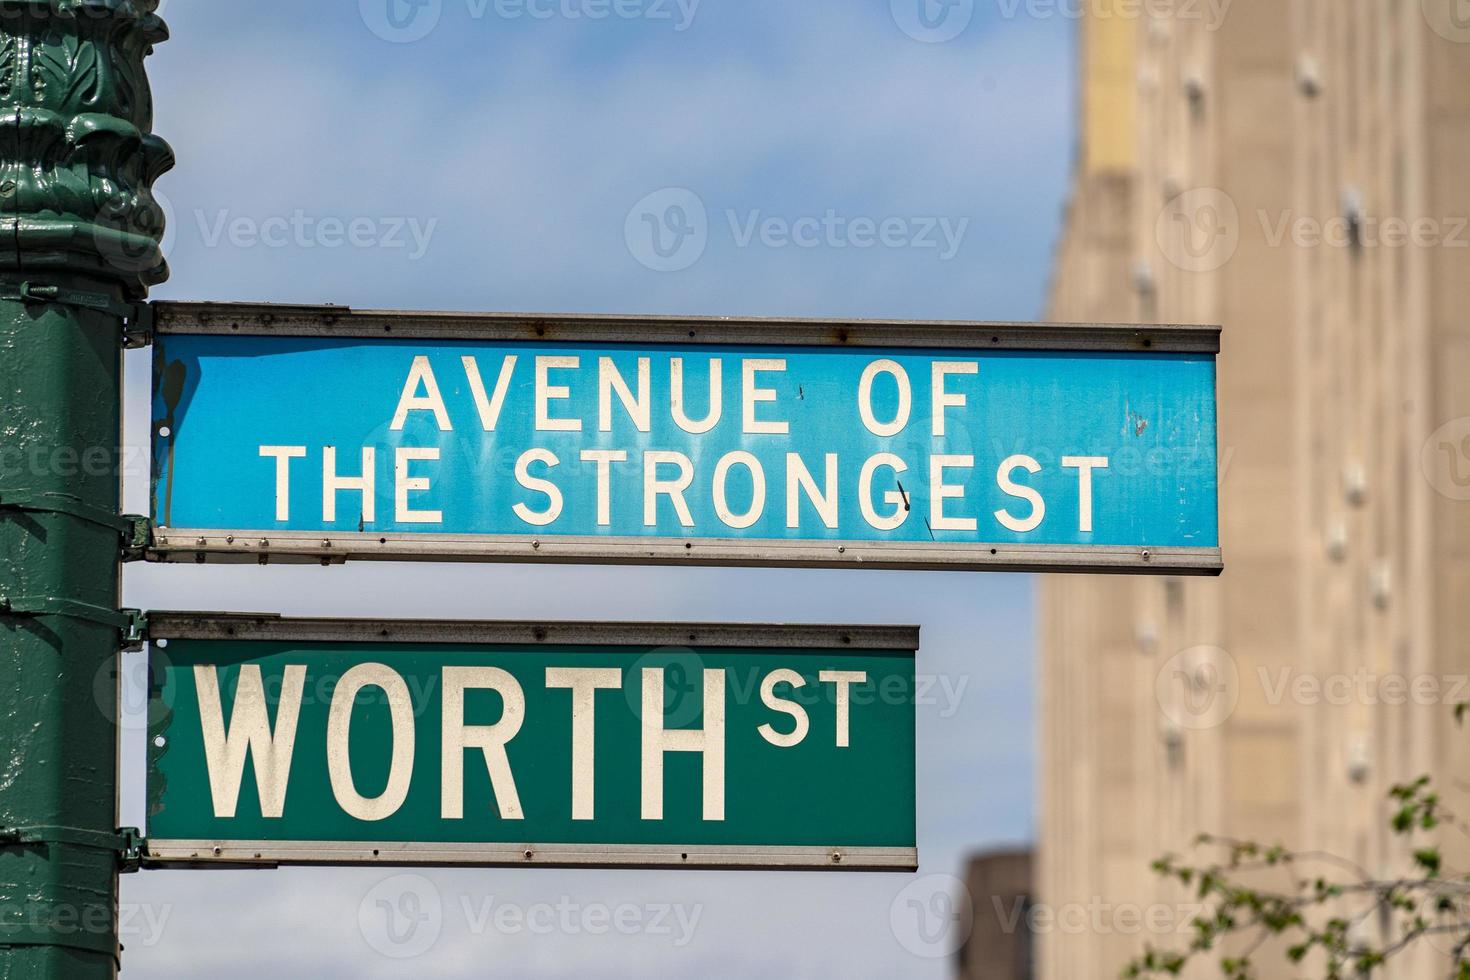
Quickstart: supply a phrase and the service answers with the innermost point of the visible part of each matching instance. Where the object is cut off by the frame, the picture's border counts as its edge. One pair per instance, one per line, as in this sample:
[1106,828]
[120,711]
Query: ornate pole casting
[80,237]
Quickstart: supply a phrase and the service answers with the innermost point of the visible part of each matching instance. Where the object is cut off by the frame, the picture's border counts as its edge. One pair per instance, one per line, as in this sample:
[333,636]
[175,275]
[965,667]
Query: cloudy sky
[497,155]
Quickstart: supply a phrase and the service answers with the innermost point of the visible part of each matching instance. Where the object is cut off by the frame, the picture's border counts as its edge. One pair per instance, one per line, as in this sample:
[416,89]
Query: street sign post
[80,246]
[325,434]
[312,742]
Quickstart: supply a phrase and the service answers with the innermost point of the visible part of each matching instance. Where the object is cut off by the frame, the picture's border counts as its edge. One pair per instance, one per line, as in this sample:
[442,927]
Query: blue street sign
[324,434]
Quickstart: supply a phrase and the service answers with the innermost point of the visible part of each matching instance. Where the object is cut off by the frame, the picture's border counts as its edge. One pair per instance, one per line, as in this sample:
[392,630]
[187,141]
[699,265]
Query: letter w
[249,733]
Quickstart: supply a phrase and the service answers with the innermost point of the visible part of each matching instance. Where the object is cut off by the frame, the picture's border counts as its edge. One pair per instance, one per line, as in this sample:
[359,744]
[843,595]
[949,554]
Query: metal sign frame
[182,544]
[235,627]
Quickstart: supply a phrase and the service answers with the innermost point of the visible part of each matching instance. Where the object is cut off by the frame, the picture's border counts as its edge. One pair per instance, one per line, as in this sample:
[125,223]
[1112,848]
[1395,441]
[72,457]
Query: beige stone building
[1298,171]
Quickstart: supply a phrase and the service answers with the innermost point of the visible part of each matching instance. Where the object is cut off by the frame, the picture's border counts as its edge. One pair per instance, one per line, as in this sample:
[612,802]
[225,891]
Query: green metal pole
[79,243]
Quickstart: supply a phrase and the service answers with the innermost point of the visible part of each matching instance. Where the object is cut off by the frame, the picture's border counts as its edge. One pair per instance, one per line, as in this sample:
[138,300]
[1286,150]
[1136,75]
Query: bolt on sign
[324,434]
[320,742]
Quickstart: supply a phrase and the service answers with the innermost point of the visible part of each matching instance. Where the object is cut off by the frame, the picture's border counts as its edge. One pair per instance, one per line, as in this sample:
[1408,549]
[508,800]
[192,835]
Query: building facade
[1001,943]
[1299,172]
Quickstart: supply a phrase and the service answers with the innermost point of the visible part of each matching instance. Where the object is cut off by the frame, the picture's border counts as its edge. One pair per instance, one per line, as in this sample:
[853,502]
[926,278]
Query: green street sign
[317,742]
